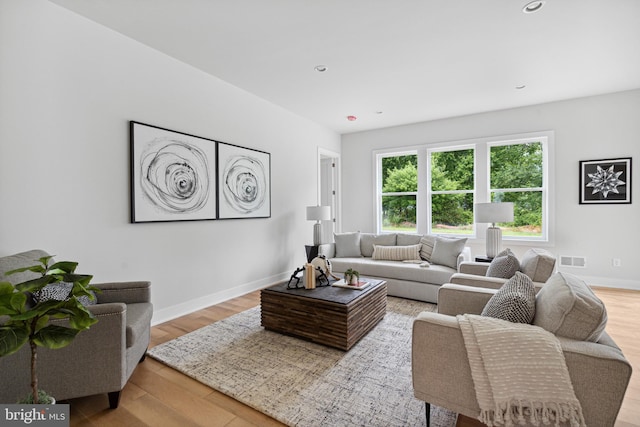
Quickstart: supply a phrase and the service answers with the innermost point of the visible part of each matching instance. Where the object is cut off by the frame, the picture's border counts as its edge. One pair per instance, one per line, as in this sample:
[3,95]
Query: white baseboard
[178,310]
[606,282]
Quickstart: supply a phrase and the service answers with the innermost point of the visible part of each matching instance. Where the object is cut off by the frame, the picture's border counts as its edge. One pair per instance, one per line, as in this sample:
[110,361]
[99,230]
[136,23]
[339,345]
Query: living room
[70,86]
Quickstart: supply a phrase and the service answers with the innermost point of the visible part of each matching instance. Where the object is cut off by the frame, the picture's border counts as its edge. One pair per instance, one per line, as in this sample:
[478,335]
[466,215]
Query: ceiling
[391,62]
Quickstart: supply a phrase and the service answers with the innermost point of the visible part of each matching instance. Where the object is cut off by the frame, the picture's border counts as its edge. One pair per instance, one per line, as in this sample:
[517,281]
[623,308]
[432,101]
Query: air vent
[573,261]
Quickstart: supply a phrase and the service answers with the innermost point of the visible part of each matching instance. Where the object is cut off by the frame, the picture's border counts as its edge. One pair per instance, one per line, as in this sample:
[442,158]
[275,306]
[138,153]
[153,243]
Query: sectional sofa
[414,266]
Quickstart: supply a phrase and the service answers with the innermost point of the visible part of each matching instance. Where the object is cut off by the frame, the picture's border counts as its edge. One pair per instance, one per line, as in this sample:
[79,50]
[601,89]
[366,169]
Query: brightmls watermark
[35,415]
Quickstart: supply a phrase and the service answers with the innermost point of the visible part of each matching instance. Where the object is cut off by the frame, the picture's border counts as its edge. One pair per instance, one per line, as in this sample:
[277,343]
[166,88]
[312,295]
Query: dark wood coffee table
[329,315]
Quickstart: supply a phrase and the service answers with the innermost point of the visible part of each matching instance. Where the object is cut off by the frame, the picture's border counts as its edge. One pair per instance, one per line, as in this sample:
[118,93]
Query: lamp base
[494,241]
[317,233]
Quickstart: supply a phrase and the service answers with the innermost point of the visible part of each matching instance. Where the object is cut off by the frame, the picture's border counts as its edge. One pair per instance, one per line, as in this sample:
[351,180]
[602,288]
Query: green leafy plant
[28,321]
[350,274]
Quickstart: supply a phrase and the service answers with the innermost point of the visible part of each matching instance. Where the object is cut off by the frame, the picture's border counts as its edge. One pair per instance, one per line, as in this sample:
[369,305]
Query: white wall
[597,127]
[68,88]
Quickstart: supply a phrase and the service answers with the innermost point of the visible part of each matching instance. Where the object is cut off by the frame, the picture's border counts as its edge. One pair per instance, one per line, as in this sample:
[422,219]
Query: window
[433,189]
[451,192]
[517,175]
[398,190]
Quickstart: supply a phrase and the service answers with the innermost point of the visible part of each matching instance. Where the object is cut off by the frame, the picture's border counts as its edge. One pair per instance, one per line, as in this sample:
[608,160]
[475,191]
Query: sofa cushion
[398,270]
[504,265]
[567,307]
[446,251]
[347,244]
[397,253]
[514,302]
[403,239]
[367,240]
[538,264]
[427,242]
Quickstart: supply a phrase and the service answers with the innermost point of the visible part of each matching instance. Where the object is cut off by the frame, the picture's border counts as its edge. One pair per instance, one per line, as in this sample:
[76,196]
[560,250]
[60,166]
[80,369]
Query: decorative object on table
[172,175]
[311,251]
[298,279]
[309,276]
[28,320]
[493,213]
[351,276]
[359,285]
[324,265]
[244,182]
[318,214]
[605,181]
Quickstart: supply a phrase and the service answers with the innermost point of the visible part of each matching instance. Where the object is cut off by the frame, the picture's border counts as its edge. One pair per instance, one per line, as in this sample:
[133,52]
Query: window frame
[482,190]
[378,156]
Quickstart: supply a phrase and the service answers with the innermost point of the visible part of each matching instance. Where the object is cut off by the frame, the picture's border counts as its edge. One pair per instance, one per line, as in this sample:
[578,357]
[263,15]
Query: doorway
[328,191]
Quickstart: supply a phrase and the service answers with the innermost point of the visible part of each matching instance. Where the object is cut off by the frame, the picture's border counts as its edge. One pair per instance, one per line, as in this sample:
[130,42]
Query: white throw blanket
[519,373]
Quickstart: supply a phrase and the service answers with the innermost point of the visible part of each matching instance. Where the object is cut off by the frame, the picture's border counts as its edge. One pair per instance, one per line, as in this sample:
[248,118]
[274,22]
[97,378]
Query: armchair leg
[114,399]
[427,408]
[144,356]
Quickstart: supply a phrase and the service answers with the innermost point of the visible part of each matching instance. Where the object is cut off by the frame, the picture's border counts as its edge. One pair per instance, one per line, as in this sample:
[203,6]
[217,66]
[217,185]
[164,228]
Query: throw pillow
[404,239]
[427,243]
[367,241]
[446,251]
[397,253]
[538,264]
[347,245]
[504,265]
[60,292]
[567,307]
[515,301]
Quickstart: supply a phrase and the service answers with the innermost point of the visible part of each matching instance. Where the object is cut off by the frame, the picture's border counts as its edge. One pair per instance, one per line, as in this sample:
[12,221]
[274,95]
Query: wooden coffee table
[329,315]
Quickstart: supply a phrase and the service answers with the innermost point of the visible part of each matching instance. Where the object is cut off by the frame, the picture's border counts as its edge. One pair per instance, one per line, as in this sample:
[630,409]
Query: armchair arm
[473,267]
[440,368]
[477,281]
[126,292]
[459,299]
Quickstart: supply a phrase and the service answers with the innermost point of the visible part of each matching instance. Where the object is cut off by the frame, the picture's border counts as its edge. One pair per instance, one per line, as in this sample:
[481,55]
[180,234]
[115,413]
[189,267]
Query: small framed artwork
[605,181]
[244,182]
[172,175]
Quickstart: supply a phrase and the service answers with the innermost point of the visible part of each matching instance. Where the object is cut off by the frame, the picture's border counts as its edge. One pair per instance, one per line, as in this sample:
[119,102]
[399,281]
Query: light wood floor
[159,396]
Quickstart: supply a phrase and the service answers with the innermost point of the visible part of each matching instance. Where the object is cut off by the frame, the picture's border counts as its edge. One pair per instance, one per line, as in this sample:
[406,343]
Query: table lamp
[492,213]
[318,213]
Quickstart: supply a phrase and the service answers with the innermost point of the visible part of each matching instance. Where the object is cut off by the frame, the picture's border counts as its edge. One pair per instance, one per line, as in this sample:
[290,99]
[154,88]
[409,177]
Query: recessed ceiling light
[533,6]
[379,112]
[521,87]
[320,68]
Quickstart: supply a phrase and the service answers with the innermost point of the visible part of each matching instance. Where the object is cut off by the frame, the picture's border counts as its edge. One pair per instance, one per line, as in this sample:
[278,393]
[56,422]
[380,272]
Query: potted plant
[28,320]
[351,276]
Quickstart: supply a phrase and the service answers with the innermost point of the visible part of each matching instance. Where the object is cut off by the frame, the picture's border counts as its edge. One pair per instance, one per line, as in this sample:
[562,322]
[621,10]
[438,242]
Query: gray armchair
[99,360]
[442,375]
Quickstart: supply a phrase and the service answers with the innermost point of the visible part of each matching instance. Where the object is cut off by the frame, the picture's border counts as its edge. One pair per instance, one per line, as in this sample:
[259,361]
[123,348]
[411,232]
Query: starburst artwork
[605,181]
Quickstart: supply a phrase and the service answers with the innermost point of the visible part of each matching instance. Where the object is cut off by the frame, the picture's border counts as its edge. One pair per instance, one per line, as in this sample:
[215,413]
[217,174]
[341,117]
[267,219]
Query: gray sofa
[599,371]
[416,279]
[99,360]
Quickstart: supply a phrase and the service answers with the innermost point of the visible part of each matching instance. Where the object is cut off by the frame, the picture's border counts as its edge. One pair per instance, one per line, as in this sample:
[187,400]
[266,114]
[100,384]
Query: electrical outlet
[616,262]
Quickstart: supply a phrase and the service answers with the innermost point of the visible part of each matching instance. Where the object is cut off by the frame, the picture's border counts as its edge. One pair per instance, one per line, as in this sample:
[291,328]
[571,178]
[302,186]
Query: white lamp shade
[494,212]
[318,213]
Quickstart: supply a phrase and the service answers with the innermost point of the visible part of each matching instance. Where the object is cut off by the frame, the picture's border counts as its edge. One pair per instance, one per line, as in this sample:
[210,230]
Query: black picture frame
[173,175]
[605,181]
[244,182]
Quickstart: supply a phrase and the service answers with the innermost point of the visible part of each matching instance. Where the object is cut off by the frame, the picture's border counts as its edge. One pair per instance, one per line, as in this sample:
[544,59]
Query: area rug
[305,384]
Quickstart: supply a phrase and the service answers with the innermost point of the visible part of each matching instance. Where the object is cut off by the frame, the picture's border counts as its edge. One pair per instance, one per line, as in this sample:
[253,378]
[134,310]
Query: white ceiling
[411,60]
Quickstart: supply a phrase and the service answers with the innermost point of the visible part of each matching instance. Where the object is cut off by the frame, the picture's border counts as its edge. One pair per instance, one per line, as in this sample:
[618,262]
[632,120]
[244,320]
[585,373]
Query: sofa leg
[427,408]
[144,356]
[114,399]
